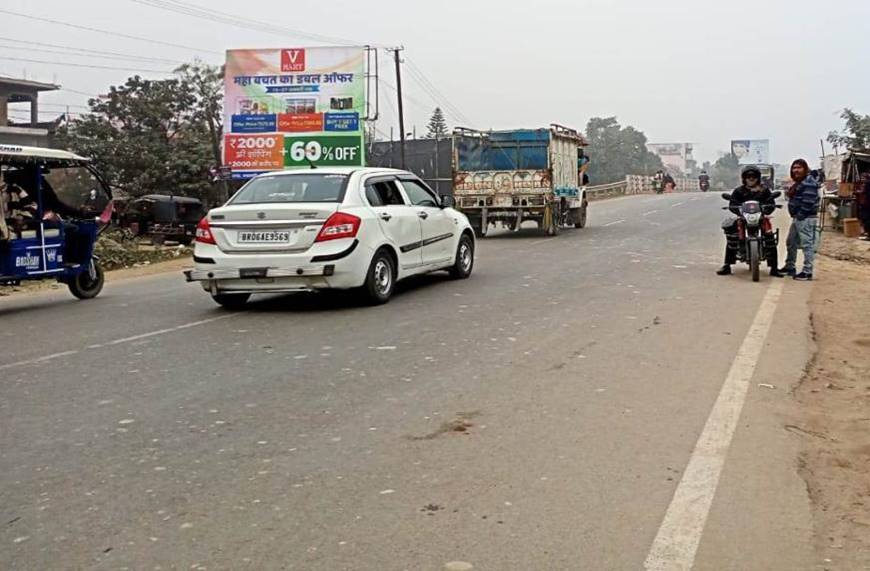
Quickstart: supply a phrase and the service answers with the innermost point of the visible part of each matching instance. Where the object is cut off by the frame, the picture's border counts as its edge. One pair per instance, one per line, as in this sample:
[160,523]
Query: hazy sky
[679,70]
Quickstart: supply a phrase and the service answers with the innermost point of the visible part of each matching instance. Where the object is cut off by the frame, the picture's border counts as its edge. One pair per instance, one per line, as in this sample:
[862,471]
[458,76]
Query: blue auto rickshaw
[68,204]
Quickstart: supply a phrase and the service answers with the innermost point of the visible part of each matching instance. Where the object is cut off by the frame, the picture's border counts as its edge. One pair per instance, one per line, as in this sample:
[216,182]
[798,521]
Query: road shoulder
[831,419]
[761,516]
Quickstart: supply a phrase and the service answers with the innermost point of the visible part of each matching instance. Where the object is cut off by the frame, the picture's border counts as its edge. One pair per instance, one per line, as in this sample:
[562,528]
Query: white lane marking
[677,204]
[676,542]
[650,212]
[614,222]
[537,242]
[44,358]
[169,330]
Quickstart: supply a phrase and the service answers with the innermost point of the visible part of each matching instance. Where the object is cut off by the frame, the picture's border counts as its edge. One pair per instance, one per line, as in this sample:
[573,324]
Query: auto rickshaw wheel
[83,286]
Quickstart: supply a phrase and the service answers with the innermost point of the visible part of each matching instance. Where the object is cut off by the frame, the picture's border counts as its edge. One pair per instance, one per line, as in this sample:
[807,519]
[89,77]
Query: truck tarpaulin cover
[294,107]
[503,151]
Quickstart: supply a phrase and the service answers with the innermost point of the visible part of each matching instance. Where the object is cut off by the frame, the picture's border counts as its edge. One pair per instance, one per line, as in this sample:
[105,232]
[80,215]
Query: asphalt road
[539,415]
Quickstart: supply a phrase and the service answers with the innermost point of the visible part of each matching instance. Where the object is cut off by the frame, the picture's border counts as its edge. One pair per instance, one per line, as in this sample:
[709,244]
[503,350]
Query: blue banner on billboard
[254,123]
[341,122]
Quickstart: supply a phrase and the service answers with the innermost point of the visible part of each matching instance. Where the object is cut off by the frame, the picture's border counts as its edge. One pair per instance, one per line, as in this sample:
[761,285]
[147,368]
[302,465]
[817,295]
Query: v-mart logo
[293,60]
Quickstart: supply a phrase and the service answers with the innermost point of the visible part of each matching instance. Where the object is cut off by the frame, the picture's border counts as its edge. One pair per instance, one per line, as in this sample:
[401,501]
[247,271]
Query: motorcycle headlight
[753,218]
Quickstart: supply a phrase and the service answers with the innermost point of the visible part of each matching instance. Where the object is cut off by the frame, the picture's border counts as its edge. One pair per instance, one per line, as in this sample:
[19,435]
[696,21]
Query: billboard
[675,156]
[293,108]
[751,151]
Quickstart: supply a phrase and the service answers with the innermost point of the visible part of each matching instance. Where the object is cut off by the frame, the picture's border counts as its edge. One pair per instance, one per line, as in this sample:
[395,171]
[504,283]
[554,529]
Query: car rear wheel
[380,279]
[464,263]
[233,301]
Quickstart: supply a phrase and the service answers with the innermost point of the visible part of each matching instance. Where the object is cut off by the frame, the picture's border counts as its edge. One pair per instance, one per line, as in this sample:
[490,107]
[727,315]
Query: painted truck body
[510,177]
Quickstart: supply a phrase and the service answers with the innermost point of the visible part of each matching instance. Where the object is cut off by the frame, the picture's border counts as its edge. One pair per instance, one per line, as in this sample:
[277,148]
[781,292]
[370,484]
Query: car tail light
[339,225]
[203,232]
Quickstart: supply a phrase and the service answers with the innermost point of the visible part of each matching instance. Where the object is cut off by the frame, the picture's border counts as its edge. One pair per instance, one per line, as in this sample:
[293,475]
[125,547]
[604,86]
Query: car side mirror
[726,195]
[448,201]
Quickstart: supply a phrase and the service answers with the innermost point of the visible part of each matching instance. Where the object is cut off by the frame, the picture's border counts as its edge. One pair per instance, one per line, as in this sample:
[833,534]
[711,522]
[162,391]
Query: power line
[448,110]
[60,52]
[421,78]
[106,32]
[79,92]
[201,13]
[422,106]
[101,53]
[62,105]
[67,64]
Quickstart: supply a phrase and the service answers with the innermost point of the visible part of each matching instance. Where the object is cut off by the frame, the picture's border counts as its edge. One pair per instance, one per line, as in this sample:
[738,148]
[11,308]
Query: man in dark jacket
[803,206]
[751,189]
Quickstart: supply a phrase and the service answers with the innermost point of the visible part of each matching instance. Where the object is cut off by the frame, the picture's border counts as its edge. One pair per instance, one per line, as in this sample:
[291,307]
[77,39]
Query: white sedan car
[329,228]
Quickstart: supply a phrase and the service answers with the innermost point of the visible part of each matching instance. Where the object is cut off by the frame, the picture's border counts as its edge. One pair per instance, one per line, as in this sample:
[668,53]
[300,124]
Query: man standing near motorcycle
[803,206]
[751,189]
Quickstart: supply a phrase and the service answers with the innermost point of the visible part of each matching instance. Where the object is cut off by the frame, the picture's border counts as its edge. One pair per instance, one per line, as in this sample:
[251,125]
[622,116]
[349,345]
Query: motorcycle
[658,185]
[755,234]
[704,185]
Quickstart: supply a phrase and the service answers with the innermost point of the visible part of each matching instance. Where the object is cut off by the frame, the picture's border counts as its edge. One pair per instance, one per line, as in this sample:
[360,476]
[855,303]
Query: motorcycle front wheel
[755,260]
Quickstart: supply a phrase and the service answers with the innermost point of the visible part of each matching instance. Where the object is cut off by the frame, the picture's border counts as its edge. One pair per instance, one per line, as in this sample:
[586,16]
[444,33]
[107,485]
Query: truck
[510,177]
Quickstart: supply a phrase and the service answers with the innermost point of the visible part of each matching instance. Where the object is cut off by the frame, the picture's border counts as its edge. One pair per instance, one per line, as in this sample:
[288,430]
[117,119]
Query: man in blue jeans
[803,206]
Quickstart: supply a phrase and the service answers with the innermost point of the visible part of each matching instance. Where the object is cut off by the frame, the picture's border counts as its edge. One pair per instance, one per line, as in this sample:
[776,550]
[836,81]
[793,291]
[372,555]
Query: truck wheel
[464,263]
[553,228]
[581,222]
[231,301]
[83,286]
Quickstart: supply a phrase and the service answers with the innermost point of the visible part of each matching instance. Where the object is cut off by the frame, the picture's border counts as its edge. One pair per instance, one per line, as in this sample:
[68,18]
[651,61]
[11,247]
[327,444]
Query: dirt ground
[175,265]
[833,417]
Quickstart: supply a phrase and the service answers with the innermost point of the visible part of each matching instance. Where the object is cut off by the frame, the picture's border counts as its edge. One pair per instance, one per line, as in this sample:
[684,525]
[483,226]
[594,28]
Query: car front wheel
[380,279]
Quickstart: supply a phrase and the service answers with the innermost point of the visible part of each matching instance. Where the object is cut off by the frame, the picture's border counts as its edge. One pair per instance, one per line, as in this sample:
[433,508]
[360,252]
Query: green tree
[857,131]
[437,124]
[154,136]
[725,173]
[617,151]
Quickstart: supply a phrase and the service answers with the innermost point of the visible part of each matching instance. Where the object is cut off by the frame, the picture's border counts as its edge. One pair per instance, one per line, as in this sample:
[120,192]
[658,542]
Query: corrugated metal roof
[28,84]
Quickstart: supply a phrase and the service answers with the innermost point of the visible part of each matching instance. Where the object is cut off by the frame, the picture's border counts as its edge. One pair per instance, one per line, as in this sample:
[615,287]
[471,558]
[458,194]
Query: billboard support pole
[398,60]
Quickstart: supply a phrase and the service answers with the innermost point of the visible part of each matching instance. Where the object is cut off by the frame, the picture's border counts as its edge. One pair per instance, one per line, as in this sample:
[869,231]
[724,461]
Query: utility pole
[398,60]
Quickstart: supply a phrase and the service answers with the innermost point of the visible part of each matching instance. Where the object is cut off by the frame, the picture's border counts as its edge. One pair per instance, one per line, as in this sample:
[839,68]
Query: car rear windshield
[293,188]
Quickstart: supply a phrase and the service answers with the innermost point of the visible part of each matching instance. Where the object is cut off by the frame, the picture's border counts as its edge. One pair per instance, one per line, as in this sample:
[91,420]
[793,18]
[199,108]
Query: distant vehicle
[329,228]
[704,181]
[164,217]
[768,176]
[67,204]
[509,177]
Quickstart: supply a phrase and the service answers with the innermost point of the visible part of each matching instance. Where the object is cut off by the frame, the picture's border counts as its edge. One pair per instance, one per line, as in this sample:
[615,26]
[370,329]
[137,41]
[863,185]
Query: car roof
[14,153]
[338,170]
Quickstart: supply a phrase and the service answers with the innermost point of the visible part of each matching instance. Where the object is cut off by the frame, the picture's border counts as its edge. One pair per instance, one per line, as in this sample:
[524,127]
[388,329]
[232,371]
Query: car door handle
[423,215]
[385,217]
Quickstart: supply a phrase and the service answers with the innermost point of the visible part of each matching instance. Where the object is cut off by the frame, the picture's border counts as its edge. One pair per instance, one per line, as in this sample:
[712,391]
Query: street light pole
[401,111]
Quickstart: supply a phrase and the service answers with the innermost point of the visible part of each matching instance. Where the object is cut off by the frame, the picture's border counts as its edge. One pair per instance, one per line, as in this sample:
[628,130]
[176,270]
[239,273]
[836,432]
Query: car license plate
[266,237]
